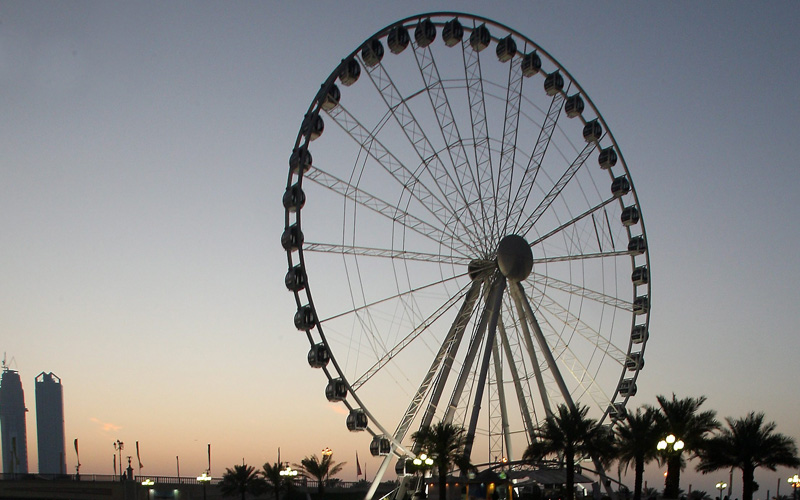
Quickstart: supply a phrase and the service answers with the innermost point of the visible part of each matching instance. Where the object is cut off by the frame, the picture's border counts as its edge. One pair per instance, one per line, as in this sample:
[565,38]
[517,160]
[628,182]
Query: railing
[101,478]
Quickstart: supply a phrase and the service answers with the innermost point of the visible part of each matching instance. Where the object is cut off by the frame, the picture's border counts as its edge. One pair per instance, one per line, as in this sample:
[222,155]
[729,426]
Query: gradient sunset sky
[143,155]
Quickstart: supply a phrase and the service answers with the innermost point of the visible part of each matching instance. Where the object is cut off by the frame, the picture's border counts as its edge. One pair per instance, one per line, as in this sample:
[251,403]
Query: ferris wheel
[471,235]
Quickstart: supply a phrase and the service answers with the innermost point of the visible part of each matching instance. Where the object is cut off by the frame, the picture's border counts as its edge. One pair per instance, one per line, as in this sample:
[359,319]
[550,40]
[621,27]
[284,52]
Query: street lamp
[721,486]
[795,482]
[288,472]
[204,480]
[671,445]
[326,452]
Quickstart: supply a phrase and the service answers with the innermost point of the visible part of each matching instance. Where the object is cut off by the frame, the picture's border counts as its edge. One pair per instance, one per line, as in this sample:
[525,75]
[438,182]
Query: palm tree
[747,444]
[682,418]
[242,479]
[699,495]
[320,470]
[275,481]
[573,435]
[636,441]
[444,443]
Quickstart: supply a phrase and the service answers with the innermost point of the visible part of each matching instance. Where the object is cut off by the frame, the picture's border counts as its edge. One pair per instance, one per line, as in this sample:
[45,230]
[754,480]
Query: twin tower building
[49,424]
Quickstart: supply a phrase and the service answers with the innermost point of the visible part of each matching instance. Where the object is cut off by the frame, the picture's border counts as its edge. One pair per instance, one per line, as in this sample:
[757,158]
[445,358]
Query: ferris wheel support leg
[518,387]
[537,372]
[548,356]
[495,303]
[375,482]
[501,393]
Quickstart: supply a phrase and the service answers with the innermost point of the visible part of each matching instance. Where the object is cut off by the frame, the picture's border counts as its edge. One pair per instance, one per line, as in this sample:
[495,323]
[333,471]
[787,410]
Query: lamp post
[204,480]
[671,446]
[795,482]
[721,486]
[423,463]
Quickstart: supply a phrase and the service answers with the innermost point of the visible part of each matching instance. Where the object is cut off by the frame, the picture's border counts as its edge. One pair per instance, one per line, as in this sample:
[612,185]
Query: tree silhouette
[241,480]
[444,443]
[321,470]
[275,481]
[682,418]
[572,435]
[636,440]
[747,444]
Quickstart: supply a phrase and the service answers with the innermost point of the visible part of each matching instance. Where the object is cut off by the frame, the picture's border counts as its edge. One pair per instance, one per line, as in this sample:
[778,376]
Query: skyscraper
[50,424]
[12,423]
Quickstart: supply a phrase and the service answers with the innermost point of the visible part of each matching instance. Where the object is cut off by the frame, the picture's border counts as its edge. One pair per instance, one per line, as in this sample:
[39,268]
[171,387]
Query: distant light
[204,478]
[148,482]
[678,445]
[662,445]
[670,439]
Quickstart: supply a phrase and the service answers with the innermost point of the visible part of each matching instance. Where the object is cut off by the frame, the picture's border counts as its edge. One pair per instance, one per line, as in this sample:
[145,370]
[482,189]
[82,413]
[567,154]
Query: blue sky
[143,153]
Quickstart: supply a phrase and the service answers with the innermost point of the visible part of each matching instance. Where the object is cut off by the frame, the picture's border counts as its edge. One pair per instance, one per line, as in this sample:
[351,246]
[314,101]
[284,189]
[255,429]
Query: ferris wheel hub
[514,257]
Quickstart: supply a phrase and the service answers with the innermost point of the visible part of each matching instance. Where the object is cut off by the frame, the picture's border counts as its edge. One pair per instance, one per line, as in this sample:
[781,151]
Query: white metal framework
[472,237]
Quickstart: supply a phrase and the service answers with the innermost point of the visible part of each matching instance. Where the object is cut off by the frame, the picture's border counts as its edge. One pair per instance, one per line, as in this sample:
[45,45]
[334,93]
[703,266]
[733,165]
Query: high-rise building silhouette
[50,424]
[12,423]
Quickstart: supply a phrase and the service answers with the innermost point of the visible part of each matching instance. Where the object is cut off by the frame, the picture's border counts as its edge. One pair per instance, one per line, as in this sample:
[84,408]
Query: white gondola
[305,318]
[634,362]
[627,388]
[531,64]
[313,125]
[318,356]
[294,198]
[641,305]
[506,49]
[398,39]
[400,466]
[574,106]
[292,238]
[620,186]
[592,131]
[356,420]
[300,160]
[639,334]
[637,245]
[452,33]
[425,33]
[372,52]
[380,446]
[295,279]
[607,157]
[630,216]
[480,38]
[553,83]
[640,276]
[350,72]
[332,98]
[336,390]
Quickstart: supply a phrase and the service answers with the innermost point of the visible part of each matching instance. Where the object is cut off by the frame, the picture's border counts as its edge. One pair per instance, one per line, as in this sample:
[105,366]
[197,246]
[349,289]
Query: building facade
[50,424]
[14,436]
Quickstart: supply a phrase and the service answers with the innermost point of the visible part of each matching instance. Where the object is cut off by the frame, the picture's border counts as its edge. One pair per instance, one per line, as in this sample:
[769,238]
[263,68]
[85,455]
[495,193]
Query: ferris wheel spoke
[574,322]
[391,212]
[584,256]
[385,253]
[499,436]
[509,145]
[535,161]
[415,134]
[467,186]
[531,220]
[384,300]
[421,327]
[394,167]
[480,130]
[575,220]
[571,288]
[568,358]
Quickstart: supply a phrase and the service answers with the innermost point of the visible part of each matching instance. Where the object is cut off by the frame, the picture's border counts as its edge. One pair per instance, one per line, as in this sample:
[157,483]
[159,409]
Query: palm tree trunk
[639,475]
[673,480]
[442,483]
[747,482]
[570,461]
